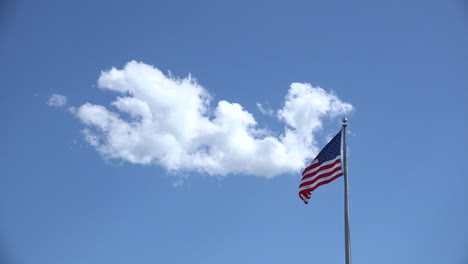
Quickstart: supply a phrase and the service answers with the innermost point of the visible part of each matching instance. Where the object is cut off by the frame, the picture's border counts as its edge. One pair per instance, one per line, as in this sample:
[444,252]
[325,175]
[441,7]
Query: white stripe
[323,164]
[320,173]
[304,198]
[319,181]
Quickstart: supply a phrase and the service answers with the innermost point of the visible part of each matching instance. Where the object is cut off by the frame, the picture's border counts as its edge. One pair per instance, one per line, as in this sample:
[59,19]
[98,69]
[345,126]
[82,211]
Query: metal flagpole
[346,205]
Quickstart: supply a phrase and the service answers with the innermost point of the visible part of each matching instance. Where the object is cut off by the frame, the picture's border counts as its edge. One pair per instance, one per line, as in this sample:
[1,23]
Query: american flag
[324,168]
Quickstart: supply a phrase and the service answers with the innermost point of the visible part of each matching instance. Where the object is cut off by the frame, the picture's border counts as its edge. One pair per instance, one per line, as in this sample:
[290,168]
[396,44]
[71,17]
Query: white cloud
[265,111]
[163,120]
[57,100]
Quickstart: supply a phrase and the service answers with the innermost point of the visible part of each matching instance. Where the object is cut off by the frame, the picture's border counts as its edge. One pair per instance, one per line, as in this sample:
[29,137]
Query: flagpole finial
[345,121]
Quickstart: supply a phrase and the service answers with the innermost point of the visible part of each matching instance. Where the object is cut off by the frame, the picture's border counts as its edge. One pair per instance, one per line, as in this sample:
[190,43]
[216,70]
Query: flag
[324,168]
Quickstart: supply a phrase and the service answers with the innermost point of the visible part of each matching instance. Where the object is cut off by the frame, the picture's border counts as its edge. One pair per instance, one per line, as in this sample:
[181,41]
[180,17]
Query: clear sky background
[402,65]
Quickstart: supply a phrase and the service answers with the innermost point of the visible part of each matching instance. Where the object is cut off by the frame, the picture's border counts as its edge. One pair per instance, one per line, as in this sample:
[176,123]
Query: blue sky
[396,69]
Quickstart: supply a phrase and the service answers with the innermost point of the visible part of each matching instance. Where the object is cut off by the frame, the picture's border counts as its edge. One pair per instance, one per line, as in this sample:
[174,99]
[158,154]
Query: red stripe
[313,165]
[307,192]
[303,199]
[304,192]
[321,176]
[322,168]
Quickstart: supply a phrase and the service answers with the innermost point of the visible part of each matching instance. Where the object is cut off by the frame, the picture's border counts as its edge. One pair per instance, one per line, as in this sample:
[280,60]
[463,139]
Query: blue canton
[331,150]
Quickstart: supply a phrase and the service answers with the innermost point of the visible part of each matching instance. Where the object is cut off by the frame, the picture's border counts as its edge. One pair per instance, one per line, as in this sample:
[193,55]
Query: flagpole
[346,203]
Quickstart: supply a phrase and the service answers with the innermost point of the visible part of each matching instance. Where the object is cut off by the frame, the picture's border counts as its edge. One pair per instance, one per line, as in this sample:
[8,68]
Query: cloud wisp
[265,111]
[163,120]
[57,100]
